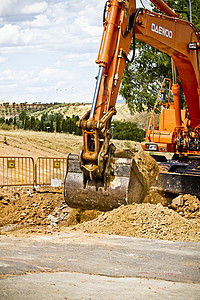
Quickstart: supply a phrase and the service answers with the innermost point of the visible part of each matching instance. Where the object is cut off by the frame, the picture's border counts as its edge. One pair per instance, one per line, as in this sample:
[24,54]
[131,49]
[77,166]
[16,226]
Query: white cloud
[48,45]
[81,59]
[3,59]
[9,34]
[62,25]
[13,75]
[16,7]
[39,21]
[5,6]
[35,8]
[54,75]
[14,35]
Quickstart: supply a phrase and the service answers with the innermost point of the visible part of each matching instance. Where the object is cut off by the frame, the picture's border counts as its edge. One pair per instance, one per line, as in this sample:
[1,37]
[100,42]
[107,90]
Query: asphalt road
[79,266]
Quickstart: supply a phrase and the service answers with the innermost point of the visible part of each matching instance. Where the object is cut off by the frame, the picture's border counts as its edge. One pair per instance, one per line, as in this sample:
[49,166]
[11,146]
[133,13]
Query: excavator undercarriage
[179,175]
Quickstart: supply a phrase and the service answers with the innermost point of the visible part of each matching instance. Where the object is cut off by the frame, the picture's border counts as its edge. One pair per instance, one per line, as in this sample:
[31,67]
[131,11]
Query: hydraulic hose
[104,11]
[134,18]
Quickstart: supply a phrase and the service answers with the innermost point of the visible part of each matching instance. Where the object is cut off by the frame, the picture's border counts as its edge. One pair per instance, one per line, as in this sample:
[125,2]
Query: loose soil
[146,221]
[24,211]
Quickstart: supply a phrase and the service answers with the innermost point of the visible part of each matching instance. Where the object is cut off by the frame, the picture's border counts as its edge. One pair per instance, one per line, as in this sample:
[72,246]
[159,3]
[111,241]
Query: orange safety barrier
[16,171]
[50,170]
[24,171]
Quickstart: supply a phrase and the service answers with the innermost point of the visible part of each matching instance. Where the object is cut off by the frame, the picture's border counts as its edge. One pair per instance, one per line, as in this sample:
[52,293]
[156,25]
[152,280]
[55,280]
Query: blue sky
[49,48]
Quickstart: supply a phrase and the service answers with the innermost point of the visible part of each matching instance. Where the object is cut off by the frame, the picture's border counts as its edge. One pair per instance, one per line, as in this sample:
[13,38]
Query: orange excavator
[97,179]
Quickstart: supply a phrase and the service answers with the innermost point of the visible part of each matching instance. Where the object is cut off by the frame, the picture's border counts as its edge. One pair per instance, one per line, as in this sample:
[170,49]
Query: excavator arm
[116,40]
[96,179]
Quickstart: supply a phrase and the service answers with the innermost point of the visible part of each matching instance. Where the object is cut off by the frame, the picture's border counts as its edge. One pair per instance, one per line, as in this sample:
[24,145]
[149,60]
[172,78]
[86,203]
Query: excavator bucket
[125,187]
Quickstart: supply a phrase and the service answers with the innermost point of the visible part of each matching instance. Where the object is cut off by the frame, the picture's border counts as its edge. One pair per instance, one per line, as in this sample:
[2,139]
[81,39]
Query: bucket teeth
[125,186]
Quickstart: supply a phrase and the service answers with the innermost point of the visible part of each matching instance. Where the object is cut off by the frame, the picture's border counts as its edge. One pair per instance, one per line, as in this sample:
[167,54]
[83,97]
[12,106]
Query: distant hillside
[68,109]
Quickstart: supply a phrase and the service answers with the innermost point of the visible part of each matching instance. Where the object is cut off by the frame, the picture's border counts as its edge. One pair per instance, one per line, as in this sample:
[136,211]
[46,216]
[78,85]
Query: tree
[183,5]
[142,79]
[15,121]
[64,125]
[58,126]
[51,126]
[32,123]
[10,121]
[6,104]
[27,123]
[127,131]
[42,124]
[37,124]
[77,130]
[70,125]
[22,117]
[59,118]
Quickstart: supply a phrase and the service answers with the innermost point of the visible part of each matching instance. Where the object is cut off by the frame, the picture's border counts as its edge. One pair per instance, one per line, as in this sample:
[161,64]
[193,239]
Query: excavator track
[125,187]
[179,177]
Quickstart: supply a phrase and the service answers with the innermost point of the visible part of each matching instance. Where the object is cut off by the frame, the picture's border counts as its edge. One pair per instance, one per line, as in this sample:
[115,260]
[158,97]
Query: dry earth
[24,211]
[35,144]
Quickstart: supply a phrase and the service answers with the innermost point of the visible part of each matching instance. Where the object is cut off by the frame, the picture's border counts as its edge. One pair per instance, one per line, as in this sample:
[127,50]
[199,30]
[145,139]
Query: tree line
[48,122]
[58,123]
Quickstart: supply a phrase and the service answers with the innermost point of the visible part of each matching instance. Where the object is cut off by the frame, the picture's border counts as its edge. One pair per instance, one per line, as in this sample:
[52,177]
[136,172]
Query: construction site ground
[149,250]
[76,265]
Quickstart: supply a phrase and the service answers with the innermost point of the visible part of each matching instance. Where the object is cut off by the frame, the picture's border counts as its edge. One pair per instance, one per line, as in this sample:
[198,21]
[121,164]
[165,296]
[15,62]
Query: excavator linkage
[125,187]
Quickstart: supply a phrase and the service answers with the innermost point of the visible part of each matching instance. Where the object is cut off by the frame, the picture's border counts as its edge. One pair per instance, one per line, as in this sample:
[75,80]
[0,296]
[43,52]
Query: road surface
[80,266]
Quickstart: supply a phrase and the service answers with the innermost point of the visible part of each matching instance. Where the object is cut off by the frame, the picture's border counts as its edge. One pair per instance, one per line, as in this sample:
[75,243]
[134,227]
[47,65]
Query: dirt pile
[43,212]
[145,221]
[156,196]
[21,207]
[187,206]
[23,211]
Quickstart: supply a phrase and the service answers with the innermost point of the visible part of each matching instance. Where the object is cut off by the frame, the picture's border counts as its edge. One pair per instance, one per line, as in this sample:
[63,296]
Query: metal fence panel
[16,171]
[49,169]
